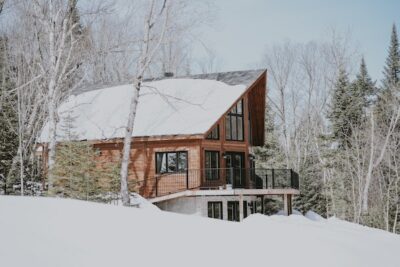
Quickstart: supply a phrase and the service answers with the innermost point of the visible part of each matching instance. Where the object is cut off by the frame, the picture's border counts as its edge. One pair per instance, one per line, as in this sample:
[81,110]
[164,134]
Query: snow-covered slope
[166,107]
[56,232]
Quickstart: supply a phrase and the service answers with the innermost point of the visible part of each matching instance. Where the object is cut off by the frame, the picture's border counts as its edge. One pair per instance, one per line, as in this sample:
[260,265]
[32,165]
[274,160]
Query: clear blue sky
[245,27]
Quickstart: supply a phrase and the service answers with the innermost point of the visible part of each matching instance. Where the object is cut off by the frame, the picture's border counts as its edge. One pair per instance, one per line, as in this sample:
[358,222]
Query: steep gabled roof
[244,77]
[170,106]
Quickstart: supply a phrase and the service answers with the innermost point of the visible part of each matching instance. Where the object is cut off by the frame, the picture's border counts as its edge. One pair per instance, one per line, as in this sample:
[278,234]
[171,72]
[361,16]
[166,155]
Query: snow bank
[282,212]
[314,216]
[141,202]
[166,107]
[58,232]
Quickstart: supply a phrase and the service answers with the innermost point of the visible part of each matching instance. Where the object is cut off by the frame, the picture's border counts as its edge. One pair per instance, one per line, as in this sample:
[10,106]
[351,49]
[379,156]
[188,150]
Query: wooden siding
[142,169]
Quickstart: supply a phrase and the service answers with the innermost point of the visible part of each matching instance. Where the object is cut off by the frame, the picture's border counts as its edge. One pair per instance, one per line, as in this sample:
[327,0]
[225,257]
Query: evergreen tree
[340,110]
[311,188]
[78,170]
[8,121]
[270,155]
[361,95]
[75,168]
[389,95]
[391,70]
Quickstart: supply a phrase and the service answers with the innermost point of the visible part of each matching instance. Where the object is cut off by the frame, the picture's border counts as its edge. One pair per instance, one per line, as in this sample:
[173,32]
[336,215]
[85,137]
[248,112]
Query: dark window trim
[235,216]
[177,161]
[210,134]
[235,115]
[218,167]
[236,207]
[212,203]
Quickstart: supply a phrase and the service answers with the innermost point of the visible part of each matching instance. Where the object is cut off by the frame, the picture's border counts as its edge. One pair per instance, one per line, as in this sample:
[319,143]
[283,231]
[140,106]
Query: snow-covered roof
[166,107]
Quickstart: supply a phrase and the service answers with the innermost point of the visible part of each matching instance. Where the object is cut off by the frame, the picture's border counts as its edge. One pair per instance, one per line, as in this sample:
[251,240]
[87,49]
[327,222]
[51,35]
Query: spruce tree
[340,111]
[361,95]
[75,167]
[389,95]
[8,121]
[79,171]
[270,155]
[391,70]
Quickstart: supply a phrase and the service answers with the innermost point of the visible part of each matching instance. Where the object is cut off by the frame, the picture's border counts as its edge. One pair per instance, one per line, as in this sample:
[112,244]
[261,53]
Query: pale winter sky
[245,27]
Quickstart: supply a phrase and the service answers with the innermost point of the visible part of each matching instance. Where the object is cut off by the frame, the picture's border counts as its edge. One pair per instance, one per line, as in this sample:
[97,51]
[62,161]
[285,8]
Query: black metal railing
[217,178]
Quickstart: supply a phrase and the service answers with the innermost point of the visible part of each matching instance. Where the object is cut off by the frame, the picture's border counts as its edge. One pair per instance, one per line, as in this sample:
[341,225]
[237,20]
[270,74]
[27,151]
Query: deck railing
[221,178]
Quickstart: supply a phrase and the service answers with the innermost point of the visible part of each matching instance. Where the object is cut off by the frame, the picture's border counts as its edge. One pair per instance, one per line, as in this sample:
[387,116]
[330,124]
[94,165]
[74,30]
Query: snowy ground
[56,232]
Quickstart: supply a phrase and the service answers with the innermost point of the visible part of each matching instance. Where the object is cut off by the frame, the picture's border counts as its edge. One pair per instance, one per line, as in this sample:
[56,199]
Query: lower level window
[215,210]
[170,162]
[234,212]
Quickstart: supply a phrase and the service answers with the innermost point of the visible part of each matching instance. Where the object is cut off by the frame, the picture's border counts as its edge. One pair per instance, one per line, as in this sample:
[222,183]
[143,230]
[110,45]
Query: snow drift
[59,232]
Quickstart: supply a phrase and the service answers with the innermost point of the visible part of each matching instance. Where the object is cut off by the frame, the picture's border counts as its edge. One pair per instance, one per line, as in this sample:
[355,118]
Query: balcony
[216,179]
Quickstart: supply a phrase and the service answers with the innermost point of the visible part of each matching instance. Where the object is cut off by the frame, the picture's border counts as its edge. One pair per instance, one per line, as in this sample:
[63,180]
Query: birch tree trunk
[151,43]
[127,144]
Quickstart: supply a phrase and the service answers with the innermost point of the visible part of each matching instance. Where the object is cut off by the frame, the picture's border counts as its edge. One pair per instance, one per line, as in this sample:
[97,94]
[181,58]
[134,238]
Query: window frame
[213,205]
[234,115]
[207,178]
[177,165]
[211,136]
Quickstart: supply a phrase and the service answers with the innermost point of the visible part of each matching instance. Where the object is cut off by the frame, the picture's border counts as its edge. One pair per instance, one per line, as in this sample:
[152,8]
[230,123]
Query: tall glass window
[212,165]
[234,127]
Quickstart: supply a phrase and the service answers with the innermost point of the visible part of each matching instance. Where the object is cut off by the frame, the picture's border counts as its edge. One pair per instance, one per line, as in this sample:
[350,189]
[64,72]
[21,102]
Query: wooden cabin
[192,141]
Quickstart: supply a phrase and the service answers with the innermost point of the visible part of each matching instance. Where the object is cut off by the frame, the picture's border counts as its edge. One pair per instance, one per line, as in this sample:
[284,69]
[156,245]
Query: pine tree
[389,95]
[79,173]
[311,188]
[75,167]
[340,111]
[361,95]
[391,71]
[270,155]
[8,121]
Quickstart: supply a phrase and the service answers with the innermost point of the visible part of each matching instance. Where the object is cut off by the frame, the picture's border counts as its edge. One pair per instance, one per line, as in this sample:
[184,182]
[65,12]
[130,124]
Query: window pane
[239,107]
[233,110]
[212,165]
[217,212]
[239,128]
[210,213]
[227,127]
[182,161]
[234,128]
[161,162]
[171,158]
[216,133]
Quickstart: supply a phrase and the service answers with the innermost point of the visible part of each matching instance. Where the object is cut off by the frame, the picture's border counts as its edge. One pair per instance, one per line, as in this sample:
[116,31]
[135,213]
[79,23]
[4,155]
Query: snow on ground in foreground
[59,232]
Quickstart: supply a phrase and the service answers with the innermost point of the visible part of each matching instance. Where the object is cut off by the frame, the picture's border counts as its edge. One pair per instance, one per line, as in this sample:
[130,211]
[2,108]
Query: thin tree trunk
[128,143]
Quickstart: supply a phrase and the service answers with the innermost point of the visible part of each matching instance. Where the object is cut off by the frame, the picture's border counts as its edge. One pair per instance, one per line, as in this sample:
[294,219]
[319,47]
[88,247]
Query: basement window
[215,210]
[171,162]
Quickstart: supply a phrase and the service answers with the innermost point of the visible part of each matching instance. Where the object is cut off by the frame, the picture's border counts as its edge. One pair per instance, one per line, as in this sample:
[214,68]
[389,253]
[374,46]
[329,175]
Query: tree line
[51,49]
[329,120]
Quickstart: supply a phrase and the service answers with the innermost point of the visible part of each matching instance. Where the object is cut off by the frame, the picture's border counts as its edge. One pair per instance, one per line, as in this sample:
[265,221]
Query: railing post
[291,178]
[187,178]
[156,186]
[273,178]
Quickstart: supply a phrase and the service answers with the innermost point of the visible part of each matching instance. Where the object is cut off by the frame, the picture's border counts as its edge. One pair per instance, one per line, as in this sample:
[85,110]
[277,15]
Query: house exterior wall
[142,175]
[198,205]
[142,168]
